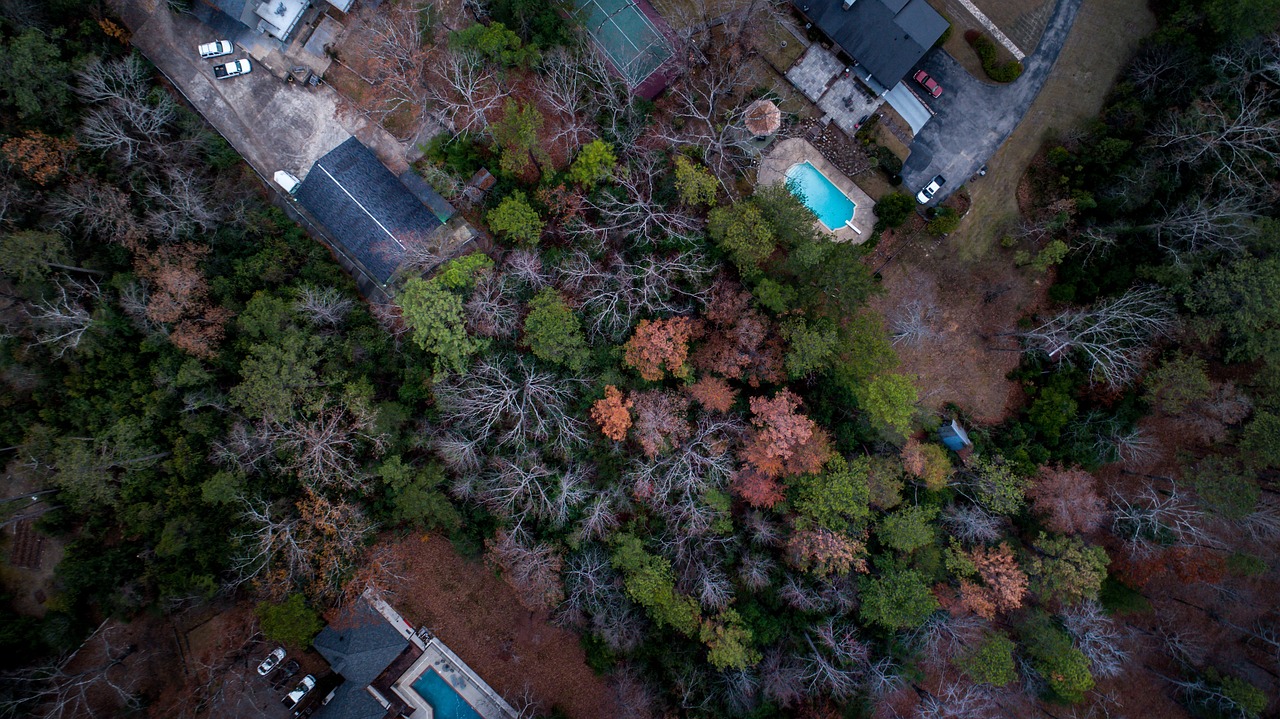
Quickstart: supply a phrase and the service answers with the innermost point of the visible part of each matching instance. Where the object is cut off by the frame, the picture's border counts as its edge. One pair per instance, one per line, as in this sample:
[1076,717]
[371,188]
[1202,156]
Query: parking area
[972,118]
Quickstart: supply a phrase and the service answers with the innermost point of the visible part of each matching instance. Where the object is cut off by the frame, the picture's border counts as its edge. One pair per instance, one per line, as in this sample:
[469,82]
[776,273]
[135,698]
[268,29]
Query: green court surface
[622,31]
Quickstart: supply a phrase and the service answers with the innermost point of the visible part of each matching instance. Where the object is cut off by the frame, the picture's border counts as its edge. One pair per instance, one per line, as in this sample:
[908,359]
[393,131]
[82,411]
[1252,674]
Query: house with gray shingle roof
[369,213]
[360,647]
[886,38]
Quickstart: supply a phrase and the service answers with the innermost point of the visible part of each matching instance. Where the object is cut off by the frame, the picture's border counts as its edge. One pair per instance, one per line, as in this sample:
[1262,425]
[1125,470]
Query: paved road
[973,118]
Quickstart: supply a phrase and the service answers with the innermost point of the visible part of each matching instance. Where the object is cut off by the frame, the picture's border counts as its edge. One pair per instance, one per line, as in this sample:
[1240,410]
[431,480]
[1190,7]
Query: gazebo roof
[763,118]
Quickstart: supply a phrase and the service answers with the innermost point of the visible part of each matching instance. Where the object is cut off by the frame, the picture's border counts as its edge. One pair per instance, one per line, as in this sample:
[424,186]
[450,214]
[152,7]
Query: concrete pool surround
[440,659]
[789,153]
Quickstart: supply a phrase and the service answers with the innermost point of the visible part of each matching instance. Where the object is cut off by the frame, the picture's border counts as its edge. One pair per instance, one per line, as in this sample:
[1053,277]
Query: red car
[929,83]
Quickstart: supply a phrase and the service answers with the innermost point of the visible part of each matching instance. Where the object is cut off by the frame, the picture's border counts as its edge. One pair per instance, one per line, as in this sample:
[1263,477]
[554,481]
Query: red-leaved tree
[713,393]
[177,296]
[783,443]
[740,342]
[1068,500]
[823,552]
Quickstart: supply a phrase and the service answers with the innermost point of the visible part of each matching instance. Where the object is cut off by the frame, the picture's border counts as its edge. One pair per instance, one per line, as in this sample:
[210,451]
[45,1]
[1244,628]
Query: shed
[954,436]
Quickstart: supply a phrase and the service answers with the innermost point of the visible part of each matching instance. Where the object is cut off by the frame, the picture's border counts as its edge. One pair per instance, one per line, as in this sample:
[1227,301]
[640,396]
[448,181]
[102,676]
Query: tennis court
[626,35]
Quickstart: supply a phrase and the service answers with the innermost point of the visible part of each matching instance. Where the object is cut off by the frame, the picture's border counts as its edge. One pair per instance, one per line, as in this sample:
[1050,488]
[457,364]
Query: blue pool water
[826,200]
[446,702]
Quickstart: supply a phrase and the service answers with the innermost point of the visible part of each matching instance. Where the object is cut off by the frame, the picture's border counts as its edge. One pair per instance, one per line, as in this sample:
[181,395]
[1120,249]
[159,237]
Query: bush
[291,622]
[990,57]
[944,222]
[894,209]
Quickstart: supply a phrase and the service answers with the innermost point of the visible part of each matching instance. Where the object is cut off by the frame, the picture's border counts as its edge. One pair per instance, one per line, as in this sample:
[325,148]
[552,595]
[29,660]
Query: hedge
[986,49]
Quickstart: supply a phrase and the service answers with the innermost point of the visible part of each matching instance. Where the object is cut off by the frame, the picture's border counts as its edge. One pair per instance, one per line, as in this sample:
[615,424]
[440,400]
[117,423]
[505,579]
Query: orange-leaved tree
[661,345]
[612,414]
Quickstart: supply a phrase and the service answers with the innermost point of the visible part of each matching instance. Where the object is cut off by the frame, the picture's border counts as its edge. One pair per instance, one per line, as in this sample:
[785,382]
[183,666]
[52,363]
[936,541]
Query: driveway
[974,118]
[274,125]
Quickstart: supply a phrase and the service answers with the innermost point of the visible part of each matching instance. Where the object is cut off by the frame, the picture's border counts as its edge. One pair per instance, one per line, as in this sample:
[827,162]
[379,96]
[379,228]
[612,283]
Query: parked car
[232,69]
[931,189]
[271,661]
[217,48]
[930,85]
[291,699]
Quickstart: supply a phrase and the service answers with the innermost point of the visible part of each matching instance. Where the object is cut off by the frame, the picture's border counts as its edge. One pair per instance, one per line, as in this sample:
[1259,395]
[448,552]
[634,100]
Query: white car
[232,69]
[218,48]
[291,699]
[271,661]
[930,189]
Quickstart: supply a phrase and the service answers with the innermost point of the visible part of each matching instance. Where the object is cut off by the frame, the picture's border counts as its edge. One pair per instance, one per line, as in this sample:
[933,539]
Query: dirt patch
[958,357]
[1104,36]
[480,618]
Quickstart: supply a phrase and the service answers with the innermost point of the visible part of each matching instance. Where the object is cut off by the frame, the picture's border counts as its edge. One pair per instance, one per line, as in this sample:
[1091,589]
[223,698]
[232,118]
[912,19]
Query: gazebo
[763,118]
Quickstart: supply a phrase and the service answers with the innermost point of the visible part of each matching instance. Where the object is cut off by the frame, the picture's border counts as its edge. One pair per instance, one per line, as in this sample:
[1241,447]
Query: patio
[790,152]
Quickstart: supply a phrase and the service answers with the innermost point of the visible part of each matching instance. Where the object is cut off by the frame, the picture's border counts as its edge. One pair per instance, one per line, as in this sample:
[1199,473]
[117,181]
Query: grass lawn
[769,39]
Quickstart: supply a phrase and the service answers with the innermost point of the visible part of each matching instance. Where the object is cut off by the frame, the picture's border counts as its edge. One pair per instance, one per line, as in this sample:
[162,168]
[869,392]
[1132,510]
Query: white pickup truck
[232,69]
[218,48]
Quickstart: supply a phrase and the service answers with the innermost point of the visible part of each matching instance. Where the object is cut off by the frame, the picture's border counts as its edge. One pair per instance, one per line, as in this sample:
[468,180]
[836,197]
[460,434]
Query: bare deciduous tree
[492,310]
[179,206]
[325,307]
[972,524]
[314,544]
[1097,637]
[1236,136]
[640,212]
[531,568]
[912,324]
[1111,335]
[95,680]
[466,90]
[1154,516]
[512,403]
[61,321]
[1205,224]
[616,292]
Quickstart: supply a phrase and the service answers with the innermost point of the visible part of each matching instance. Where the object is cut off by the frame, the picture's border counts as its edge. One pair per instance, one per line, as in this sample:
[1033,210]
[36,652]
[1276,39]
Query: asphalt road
[974,118]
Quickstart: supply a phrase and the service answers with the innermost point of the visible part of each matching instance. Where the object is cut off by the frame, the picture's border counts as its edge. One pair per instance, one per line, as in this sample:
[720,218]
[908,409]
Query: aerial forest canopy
[655,399]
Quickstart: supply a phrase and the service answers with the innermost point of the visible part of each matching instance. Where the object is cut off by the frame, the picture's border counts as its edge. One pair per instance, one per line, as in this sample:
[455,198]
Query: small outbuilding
[954,436]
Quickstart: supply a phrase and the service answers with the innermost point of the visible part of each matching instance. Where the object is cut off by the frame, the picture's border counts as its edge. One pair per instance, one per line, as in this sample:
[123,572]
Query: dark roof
[427,195]
[365,209]
[887,37]
[351,701]
[360,645]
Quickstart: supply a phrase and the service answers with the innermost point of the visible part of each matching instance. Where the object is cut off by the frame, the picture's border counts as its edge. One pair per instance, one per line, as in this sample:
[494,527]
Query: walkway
[973,118]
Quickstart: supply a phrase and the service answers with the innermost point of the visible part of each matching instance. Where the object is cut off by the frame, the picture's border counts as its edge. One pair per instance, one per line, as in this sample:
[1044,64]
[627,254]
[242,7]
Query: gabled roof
[365,209]
[361,645]
[887,37]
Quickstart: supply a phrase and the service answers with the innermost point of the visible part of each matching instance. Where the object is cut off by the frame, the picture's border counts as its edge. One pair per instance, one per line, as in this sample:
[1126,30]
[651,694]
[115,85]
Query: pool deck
[792,151]
[466,682]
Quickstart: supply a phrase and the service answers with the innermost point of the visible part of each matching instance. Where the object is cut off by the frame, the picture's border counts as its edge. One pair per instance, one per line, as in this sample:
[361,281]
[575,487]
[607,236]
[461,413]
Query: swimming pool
[826,200]
[446,703]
